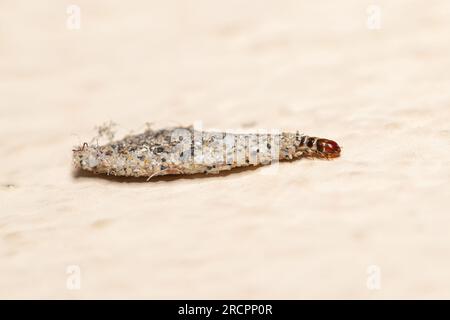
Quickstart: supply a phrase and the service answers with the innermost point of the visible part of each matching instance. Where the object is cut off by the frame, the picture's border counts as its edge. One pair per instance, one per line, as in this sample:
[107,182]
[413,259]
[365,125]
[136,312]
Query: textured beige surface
[310,230]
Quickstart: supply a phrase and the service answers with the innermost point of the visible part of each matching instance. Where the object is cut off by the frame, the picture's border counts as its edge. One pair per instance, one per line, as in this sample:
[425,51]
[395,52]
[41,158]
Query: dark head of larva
[327,148]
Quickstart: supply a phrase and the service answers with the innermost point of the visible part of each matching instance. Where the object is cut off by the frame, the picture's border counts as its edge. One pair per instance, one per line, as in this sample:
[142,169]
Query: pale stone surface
[309,229]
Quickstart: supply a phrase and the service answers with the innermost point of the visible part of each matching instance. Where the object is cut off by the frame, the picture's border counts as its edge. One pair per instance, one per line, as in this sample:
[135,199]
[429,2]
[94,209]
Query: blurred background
[373,75]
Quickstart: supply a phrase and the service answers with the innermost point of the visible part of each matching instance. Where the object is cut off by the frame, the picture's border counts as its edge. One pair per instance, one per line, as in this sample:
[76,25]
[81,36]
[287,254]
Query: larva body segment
[183,150]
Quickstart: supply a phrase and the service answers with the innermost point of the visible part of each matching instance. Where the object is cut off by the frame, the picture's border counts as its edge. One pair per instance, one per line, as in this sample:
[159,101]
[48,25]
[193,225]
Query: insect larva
[183,150]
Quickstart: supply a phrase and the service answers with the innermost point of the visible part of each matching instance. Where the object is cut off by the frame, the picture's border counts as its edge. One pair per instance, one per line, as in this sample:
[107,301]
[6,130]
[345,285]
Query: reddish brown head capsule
[329,148]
